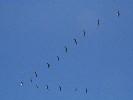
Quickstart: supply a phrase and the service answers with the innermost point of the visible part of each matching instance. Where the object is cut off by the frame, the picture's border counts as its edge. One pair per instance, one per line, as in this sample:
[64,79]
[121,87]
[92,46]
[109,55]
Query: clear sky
[33,32]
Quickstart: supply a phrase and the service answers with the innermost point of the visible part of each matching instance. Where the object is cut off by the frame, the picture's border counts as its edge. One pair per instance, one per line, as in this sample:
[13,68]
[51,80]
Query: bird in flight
[75,40]
[21,83]
[31,80]
[76,89]
[37,86]
[36,74]
[60,88]
[98,22]
[84,33]
[58,58]
[118,13]
[48,65]
[65,49]
[86,90]
[46,87]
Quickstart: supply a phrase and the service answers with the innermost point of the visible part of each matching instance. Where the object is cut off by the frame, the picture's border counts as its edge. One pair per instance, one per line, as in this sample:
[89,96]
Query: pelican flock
[76,89]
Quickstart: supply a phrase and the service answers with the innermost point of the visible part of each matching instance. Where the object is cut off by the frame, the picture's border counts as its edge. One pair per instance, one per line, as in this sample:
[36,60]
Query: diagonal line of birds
[66,49]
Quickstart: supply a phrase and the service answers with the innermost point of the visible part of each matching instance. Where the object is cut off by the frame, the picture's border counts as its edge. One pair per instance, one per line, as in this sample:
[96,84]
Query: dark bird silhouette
[21,83]
[36,74]
[86,90]
[60,88]
[65,49]
[118,13]
[98,22]
[46,87]
[75,40]
[58,58]
[37,86]
[31,80]
[48,65]
[84,33]
[76,89]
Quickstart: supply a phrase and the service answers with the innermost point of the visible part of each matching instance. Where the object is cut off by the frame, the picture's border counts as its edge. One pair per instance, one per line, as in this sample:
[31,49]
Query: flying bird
[36,74]
[21,83]
[98,22]
[58,58]
[65,49]
[76,89]
[37,86]
[75,40]
[86,90]
[60,88]
[46,87]
[31,80]
[118,13]
[84,33]
[48,65]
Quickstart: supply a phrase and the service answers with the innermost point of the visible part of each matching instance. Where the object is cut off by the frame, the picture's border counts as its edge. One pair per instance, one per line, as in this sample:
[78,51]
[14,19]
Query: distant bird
[98,22]
[46,87]
[58,58]
[86,90]
[48,65]
[75,40]
[118,13]
[37,86]
[60,88]
[21,83]
[36,74]
[76,89]
[65,49]
[31,80]
[84,33]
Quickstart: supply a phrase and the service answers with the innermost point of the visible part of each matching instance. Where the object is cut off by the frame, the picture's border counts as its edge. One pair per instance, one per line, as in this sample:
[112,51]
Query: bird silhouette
[86,90]
[31,80]
[84,33]
[66,49]
[76,89]
[48,65]
[37,86]
[98,22]
[58,58]
[118,13]
[75,40]
[21,83]
[46,87]
[36,74]
[60,88]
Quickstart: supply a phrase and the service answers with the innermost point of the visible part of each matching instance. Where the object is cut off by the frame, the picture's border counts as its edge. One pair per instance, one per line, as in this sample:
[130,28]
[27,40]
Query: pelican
[31,80]
[86,90]
[21,83]
[118,13]
[60,88]
[65,49]
[48,65]
[36,74]
[75,40]
[76,89]
[84,33]
[37,86]
[46,87]
[98,22]
[58,58]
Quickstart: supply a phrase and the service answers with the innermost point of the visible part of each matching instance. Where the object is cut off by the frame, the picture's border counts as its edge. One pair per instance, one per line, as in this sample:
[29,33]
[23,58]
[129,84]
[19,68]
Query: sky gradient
[35,32]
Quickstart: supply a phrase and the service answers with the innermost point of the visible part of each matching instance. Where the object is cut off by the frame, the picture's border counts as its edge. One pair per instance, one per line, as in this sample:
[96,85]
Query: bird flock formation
[58,59]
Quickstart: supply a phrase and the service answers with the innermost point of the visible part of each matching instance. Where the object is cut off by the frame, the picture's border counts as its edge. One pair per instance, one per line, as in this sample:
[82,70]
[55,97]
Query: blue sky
[35,32]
